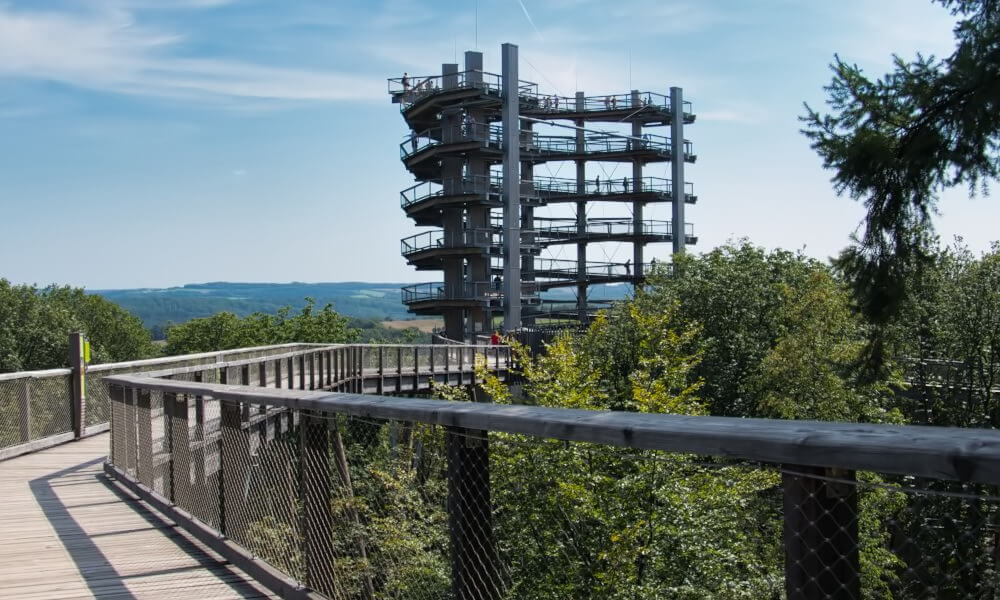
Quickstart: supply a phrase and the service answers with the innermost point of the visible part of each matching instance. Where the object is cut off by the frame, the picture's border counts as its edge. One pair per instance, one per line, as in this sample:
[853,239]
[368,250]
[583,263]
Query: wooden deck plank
[67,532]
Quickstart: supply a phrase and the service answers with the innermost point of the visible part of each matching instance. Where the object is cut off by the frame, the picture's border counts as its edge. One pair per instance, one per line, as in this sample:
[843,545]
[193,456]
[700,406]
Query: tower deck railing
[561,228]
[474,291]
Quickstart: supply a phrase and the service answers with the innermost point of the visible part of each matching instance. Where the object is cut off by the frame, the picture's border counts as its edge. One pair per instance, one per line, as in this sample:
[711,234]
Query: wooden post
[234,453]
[277,373]
[302,371]
[199,436]
[78,391]
[245,380]
[130,435]
[399,369]
[360,370]
[461,366]
[312,370]
[118,431]
[168,442]
[821,533]
[181,452]
[142,442]
[291,373]
[329,367]
[381,370]
[416,368]
[26,410]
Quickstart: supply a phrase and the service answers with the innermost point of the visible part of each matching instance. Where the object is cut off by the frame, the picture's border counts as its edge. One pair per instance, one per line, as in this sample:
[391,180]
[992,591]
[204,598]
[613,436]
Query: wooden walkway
[66,531]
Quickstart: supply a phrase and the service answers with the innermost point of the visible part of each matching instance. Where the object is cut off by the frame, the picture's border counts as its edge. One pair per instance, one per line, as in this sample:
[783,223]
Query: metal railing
[437,238]
[490,135]
[411,90]
[475,238]
[478,291]
[554,103]
[469,184]
[543,187]
[37,408]
[556,268]
[550,186]
[557,229]
[354,496]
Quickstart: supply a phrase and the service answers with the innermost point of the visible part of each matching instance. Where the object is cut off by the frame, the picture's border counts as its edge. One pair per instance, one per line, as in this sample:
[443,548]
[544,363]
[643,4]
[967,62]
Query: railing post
[302,371]
[416,368]
[474,563]
[381,371]
[78,391]
[319,368]
[234,453]
[142,441]
[820,533]
[399,369]
[291,373]
[26,410]
[315,479]
[312,371]
[199,436]
[329,368]
[130,434]
[168,442]
[118,443]
[180,449]
[461,366]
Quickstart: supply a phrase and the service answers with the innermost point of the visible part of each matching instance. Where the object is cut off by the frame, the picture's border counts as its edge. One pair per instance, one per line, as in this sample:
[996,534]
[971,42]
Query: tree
[35,323]
[777,335]
[896,142]
[224,330]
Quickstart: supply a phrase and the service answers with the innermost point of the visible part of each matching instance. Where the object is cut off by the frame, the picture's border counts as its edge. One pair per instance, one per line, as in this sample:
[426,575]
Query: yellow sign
[86,352]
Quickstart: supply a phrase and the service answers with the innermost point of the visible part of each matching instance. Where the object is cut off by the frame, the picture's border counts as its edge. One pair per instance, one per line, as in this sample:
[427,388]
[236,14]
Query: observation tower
[476,144]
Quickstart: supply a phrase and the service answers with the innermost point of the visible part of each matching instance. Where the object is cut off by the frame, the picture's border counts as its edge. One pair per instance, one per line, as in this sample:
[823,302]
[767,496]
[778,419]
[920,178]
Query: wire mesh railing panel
[49,406]
[265,514]
[15,425]
[574,520]
[389,516]
[206,461]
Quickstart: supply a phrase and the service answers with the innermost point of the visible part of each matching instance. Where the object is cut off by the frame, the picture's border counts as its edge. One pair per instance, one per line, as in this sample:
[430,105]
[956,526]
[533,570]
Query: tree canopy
[896,142]
[35,323]
[225,330]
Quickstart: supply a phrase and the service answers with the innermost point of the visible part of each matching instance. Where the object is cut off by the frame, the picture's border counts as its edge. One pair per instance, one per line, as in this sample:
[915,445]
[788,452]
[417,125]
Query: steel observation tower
[475,142]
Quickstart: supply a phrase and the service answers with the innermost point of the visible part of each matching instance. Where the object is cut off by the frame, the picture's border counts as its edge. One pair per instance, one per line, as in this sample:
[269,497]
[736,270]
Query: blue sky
[159,142]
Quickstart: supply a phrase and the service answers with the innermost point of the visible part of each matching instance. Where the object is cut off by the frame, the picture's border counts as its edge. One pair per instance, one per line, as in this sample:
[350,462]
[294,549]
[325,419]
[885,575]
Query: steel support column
[511,190]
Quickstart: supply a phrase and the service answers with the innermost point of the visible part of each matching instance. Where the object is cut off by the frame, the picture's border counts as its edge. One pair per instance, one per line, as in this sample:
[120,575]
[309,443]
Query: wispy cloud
[108,50]
[527,15]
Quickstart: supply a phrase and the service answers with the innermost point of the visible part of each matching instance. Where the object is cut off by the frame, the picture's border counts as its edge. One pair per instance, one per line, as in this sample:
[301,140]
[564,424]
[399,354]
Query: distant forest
[361,300]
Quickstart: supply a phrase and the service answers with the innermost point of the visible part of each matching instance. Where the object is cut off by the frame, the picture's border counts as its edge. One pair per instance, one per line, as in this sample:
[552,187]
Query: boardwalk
[68,532]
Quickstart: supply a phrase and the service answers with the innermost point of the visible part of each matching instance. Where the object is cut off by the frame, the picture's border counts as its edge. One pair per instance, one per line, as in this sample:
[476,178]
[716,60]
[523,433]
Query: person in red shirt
[495,339]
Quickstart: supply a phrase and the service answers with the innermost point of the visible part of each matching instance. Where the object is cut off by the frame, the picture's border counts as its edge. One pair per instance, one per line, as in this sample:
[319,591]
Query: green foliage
[897,141]
[776,335]
[225,330]
[950,330]
[35,324]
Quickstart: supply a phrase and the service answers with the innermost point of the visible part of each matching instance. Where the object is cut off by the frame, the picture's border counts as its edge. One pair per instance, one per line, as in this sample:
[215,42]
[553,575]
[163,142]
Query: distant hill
[159,306]
[362,300]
